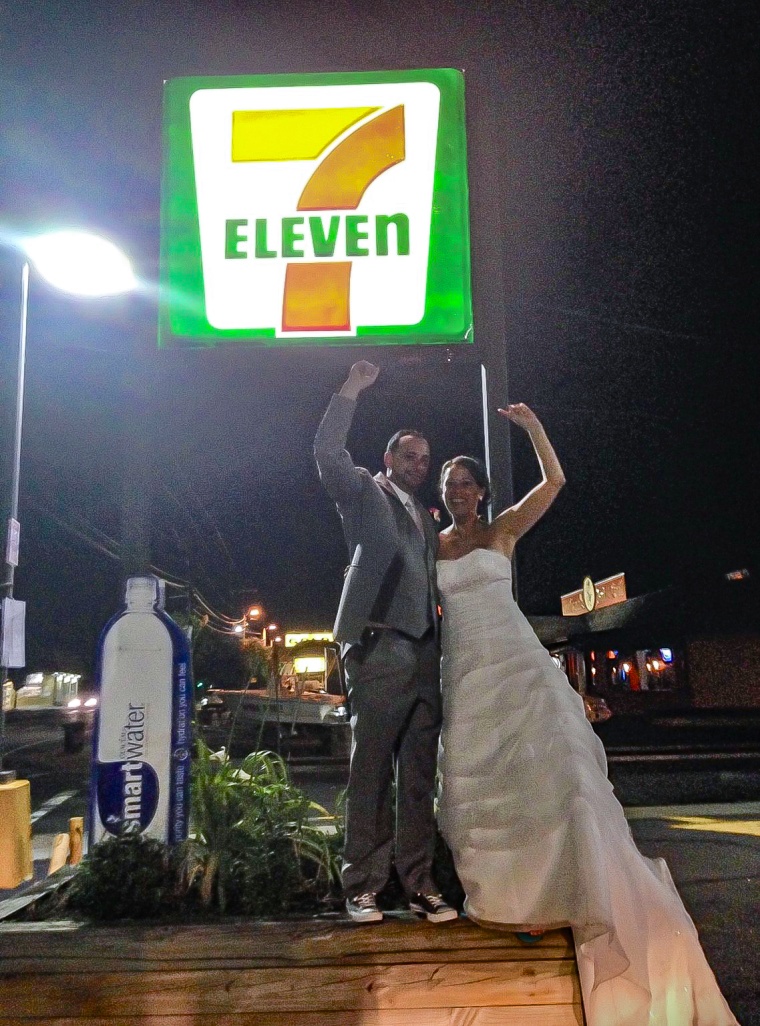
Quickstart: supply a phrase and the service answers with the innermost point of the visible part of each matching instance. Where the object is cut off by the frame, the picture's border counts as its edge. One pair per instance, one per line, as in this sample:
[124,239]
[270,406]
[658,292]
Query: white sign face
[269,228]
[13,633]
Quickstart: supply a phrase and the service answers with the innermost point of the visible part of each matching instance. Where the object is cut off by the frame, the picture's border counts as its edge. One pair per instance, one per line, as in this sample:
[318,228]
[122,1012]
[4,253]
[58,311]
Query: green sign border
[448,309]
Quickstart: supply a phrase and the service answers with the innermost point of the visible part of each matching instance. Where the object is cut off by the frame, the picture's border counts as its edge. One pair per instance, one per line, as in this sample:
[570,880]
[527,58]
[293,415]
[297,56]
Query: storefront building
[671,649]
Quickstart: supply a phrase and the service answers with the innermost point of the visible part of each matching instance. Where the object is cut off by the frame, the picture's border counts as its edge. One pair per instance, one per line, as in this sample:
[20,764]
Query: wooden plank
[133,947]
[12,906]
[324,988]
[60,853]
[525,1015]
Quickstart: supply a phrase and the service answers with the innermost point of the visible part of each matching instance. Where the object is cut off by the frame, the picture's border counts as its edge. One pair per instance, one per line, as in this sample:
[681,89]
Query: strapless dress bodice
[474,566]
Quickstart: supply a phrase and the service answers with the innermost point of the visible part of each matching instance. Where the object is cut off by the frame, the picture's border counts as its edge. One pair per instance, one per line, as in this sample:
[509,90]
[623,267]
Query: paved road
[702,816]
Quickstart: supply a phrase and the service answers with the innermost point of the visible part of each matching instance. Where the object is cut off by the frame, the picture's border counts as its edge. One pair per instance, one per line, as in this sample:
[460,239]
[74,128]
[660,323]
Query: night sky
[625,189]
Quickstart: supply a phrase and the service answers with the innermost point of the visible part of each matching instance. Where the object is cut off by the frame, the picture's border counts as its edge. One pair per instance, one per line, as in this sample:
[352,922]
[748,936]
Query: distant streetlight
[268,631]
[81,264]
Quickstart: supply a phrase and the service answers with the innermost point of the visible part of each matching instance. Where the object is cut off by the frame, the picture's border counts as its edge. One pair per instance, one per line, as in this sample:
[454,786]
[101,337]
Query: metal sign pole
[486,161]
[10,564]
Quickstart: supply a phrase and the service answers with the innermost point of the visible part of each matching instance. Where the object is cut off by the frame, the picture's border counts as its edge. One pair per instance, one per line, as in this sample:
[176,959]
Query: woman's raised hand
[521,415]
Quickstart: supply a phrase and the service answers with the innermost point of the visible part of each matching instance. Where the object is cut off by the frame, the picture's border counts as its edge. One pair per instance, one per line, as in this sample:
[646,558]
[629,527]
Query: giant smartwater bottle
[141,755]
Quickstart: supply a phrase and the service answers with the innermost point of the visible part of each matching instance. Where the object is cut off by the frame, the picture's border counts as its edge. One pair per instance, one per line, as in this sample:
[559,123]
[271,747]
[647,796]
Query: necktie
[414,513]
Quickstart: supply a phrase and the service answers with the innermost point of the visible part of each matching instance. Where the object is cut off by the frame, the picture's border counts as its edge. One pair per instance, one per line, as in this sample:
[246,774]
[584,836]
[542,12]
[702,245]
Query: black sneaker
[433,907]
[363,908]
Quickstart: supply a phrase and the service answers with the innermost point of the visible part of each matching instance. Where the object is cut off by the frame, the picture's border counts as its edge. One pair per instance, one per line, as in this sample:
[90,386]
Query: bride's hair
[478,470]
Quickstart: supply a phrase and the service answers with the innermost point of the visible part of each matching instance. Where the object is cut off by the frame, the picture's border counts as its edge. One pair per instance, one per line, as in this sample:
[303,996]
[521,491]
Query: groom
[388,626]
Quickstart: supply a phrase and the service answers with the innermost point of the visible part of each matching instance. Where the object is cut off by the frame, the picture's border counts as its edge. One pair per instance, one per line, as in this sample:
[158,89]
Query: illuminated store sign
[316,209]
[592,596]
[291,639]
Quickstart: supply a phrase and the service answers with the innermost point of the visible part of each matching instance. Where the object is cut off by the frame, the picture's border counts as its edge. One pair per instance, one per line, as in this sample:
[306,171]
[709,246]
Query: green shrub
[124,877]
[254,848]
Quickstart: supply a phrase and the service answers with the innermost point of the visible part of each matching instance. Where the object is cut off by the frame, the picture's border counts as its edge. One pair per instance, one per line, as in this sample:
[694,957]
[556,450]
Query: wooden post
[76,832]
[16,864]
[60,853]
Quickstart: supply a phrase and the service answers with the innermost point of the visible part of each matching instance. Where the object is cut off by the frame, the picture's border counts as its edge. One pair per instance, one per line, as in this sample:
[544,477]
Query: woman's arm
[518,519]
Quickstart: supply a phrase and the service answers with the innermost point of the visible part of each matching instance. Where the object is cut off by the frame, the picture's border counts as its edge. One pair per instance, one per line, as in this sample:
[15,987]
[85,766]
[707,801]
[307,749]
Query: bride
[539,839]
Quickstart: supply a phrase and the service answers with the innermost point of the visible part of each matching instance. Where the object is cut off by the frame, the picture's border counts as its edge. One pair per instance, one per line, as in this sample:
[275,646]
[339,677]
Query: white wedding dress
[538,837]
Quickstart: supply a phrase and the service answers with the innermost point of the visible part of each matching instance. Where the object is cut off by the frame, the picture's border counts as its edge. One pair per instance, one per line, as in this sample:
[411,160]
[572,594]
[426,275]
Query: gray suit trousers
[394,690]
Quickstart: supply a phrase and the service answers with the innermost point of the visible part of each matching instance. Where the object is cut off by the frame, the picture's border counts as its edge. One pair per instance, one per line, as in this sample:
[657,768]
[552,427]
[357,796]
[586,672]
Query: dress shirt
[411,506]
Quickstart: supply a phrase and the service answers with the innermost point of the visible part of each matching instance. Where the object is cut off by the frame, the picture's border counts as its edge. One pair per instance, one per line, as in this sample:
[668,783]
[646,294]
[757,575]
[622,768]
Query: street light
[81,264]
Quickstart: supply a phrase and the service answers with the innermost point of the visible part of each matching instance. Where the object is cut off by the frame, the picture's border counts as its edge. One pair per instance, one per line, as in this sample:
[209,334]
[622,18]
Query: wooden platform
[323,972]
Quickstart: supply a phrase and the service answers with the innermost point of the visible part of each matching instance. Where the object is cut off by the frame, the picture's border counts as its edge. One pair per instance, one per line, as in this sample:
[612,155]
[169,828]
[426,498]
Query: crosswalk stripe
[52,803]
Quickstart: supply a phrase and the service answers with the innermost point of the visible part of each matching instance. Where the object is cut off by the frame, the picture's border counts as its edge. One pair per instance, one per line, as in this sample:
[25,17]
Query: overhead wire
[115,553]
[188,516]
[220,630]
[215,533]
[194,497]
[97,546]
[588,315]
[219,616]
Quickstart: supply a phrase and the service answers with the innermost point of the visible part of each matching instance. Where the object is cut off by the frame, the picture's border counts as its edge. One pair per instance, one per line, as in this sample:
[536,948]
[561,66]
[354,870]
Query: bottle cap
[142,592]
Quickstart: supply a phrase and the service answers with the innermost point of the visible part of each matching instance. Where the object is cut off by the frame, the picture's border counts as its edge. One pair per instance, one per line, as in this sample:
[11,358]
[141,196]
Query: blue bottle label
[127,796]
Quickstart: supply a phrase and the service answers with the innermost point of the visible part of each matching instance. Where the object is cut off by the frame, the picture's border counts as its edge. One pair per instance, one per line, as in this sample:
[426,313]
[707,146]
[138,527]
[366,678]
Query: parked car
[597,710]
[59,692]
[78,719]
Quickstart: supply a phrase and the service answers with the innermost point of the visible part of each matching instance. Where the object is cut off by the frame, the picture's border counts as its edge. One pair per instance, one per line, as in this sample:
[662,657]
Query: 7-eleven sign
[323,208]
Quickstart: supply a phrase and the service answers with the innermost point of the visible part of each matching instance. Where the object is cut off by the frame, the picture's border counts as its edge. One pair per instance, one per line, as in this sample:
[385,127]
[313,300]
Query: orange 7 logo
[317,294]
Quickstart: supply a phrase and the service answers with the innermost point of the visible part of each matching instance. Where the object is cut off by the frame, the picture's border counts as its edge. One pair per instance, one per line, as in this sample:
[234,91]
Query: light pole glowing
[80,264]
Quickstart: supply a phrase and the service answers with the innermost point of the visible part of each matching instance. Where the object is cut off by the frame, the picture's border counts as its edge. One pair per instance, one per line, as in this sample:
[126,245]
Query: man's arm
[336,468]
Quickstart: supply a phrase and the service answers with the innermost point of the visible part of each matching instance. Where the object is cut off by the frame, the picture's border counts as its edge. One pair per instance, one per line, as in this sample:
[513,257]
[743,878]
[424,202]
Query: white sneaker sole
[436,917]
[366,917]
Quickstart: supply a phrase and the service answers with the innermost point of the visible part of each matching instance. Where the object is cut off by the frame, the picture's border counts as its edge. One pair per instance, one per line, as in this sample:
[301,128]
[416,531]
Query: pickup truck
[303,706]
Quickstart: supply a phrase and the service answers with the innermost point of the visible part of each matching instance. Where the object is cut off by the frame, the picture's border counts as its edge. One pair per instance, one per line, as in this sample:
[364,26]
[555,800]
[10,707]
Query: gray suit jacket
[368,507]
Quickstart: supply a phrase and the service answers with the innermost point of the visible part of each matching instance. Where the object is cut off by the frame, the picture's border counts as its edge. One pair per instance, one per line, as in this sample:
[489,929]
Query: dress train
[537,835]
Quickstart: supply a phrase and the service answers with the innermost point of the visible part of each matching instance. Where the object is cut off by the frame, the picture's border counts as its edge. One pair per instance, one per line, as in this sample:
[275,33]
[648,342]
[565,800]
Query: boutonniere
[435,513]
